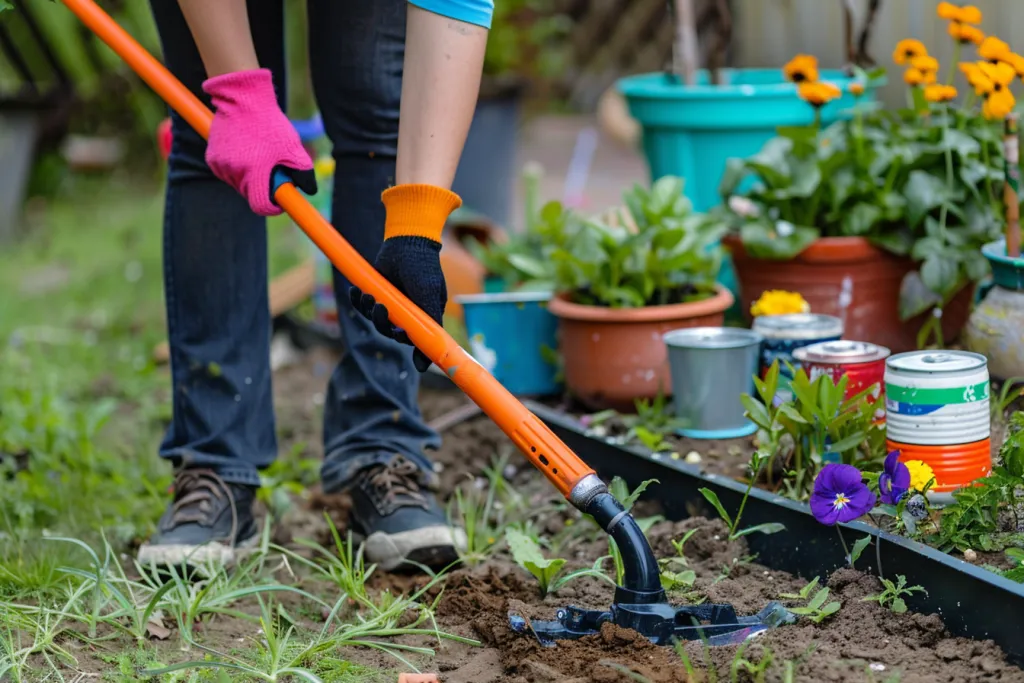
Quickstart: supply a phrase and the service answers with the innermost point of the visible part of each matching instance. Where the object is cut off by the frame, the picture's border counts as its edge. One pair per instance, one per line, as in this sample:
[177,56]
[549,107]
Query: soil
[862,642]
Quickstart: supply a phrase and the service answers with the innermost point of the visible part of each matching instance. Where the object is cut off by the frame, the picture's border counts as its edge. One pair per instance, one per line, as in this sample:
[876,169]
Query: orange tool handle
[540,445]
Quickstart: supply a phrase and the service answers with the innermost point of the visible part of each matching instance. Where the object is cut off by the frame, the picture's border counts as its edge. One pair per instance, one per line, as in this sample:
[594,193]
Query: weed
[756,671]
[528,555]
[892,597]
[675,571]
[817,609]
[733,523]
[1008,393]
[1015,573]
[484,512]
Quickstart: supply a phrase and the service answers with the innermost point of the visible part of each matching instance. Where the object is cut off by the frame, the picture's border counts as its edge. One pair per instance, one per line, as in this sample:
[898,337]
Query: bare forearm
[443,64]
[222,34]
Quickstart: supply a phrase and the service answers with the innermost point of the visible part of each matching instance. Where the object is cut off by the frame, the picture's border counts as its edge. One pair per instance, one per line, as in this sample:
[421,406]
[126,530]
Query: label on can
[907,401]
[783,334]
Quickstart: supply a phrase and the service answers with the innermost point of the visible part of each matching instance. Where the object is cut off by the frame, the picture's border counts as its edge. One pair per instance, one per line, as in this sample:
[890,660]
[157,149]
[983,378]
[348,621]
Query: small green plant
[527,553]
[819,425]
[892,597]
[485,512]
[756,461]
[1016,572]
[986,516]
[817,607]
[754,671]
[675,571]
[1008,393]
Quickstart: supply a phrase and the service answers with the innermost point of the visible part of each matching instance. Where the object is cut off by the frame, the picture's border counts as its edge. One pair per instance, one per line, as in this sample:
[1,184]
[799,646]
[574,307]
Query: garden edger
[640,603]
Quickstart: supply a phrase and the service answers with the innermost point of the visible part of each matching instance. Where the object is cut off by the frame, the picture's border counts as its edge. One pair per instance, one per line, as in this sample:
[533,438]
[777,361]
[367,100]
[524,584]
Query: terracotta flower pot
[833,268]
[613,356]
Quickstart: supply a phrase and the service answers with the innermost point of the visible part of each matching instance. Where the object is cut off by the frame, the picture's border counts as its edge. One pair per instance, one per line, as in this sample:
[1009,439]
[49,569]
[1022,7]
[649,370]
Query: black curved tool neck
[641,580]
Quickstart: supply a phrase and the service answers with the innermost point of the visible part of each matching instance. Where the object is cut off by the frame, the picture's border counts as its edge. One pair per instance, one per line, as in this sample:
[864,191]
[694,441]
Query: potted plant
[693,120]
[878,220]
[521,45]
[622,281]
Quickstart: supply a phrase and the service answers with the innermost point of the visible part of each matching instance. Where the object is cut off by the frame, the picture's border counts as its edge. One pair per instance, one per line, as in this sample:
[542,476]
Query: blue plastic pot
[690,131]
[508,334]
[1007,272]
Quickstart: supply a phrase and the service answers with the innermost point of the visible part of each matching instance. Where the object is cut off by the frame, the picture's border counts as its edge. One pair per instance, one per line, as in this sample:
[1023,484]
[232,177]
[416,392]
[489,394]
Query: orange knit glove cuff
[415,210]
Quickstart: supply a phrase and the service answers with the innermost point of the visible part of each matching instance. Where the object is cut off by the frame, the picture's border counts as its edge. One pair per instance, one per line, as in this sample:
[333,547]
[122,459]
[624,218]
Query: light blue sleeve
[477,12]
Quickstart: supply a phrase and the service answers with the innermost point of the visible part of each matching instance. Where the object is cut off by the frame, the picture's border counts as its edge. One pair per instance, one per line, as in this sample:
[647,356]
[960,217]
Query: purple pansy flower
[894,481]
[840,495]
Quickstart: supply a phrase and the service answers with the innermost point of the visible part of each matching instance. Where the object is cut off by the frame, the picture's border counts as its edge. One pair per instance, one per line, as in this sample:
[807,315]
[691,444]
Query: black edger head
[640,604]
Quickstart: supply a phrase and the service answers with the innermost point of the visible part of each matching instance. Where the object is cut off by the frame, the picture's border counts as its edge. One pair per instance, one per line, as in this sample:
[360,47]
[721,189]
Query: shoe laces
[198,498]
[397,478]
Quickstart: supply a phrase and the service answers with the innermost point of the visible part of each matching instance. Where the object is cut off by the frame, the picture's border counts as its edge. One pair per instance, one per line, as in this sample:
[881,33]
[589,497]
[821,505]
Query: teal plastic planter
[1007,272]
[690,131]
[512,334]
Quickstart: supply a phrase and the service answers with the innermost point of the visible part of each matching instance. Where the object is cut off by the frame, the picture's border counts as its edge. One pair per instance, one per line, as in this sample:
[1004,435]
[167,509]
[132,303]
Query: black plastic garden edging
[973,602]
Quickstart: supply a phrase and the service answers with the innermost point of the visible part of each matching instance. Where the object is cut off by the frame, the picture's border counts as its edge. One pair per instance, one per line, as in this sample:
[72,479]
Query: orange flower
[925,63]
[1016,61]
[801,69]
[947,10]
[856,88]
[993,50]
[907,49]
[968,14]
[965,33]
[999,101]
[975,77]
[940,93]
[819,93]
[914,76]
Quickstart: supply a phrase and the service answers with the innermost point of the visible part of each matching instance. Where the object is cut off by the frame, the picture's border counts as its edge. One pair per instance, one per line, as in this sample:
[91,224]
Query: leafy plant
[987,516]
[656,251]
[733,523]
[819,423]
[924,183]
[817,609]
[1016,572]
[892,597]
[1008,393]
[527,553]
[675,571]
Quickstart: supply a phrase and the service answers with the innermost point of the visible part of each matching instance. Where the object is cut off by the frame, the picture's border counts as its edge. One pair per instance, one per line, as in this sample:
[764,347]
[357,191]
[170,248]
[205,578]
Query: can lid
[711,338]
[937,361]
[798,326]
[841,351]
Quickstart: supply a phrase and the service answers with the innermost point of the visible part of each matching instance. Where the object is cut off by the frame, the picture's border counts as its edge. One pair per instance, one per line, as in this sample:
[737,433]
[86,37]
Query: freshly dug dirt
[862,642]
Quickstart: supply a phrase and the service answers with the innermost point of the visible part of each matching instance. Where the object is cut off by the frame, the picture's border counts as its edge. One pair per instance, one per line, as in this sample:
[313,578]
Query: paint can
[783,334]
[938,412]
[862,363]
[711,368]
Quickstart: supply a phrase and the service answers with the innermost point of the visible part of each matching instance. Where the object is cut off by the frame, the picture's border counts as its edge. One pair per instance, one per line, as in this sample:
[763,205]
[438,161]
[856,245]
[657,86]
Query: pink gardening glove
[251,136]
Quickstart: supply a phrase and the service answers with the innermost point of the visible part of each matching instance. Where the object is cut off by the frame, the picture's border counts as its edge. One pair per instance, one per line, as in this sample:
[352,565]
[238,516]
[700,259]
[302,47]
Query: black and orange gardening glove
[410,257]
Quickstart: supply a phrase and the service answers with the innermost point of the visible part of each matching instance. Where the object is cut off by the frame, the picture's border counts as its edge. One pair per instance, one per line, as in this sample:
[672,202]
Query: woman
[392,197]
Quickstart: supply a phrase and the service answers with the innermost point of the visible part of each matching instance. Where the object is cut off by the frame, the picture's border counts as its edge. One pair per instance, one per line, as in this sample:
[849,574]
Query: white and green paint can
[937,398]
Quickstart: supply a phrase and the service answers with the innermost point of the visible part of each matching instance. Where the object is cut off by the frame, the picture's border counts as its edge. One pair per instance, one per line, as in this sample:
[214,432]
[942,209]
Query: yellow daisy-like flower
[920,474]
[999,101]
[907,49]
[993,50]
[819,93]
[947,10]
[965,33]
[1016,61]
[801,69]
[940,93]
[779,302]
[968,14]
[925,63]
[856,88]
[975,77]
[914,76]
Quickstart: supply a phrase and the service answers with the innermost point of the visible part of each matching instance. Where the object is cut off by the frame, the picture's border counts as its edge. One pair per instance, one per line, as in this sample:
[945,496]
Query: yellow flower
[920,474]
[925,63]
[975,77]
[993,50]
[940,93]
[968,14]
[907,49]
[324,166]
[965,33]
[819,93]
[1016,61]
[856,88]
[998,105]
[801,69]
[779,302]
[994,84]
[914,76]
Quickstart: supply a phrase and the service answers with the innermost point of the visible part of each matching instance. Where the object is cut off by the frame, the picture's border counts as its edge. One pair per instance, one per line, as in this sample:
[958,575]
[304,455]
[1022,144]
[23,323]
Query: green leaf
[858,548]
[939,273]
[756,411]
[735,171]
[806,176]
[529,265]
[899,606]
[766,528]
[960,142]
[790,412]
[848,443]
[861,219]
[830,609]
[923,192]
[712,498]
[819,598]
[781,241]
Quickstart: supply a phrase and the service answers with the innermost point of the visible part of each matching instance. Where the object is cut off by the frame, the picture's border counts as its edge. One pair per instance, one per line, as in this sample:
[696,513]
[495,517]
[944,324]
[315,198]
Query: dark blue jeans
[215,258]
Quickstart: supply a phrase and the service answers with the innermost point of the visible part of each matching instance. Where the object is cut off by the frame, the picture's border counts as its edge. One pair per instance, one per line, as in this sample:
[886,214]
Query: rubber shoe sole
[213,555]
[433,546]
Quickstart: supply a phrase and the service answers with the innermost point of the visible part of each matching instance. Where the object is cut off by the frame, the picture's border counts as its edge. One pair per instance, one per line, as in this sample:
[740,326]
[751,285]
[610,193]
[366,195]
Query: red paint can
[862,362]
